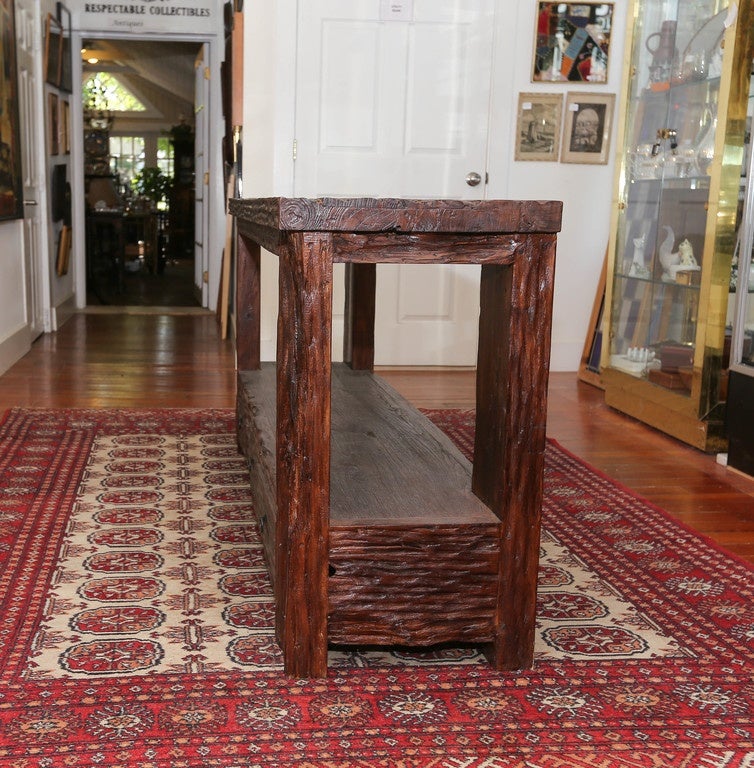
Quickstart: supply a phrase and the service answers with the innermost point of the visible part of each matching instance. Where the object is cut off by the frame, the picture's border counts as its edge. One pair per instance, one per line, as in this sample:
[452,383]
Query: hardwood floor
[135,359]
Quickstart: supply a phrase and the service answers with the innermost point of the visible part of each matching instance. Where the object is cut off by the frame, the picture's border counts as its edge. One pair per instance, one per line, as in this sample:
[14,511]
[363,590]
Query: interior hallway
[137,359]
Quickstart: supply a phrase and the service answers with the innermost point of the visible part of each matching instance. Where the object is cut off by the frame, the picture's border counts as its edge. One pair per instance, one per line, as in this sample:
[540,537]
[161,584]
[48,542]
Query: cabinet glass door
[742,277]
[671,123]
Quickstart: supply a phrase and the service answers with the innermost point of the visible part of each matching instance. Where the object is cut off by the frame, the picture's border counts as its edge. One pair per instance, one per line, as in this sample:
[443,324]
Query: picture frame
[65,127]
[11,191]
[538,126]
[66,62]
[64,251]
[54,124]
[586,128]
[53,50]
[572,42]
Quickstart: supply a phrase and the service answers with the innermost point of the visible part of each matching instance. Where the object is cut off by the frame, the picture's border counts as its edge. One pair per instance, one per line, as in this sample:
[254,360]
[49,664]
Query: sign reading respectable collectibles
[146,15]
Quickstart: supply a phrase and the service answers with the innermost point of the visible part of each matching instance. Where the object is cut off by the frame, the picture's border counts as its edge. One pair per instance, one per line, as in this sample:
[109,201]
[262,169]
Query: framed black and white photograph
[538,126]
[586,128]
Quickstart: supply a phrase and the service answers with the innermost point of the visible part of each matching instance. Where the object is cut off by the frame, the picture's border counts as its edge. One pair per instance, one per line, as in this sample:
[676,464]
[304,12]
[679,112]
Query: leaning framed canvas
[538,126]
[66,64]
[572,42]
[53,50]
[11,202]
[586,128]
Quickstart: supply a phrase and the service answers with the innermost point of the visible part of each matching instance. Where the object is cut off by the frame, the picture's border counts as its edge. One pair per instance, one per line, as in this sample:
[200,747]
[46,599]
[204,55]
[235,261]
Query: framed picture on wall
[538,126]
[53,50]
[66,63]
[11,201]
[572,42]
[586,129]
[54,120]
[65,127]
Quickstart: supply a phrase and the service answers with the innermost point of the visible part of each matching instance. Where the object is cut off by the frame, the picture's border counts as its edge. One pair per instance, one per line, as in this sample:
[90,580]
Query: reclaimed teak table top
[352,561]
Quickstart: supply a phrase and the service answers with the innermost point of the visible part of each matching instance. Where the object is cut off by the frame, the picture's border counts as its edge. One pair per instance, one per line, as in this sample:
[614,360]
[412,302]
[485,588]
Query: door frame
[38,293]
[212,147]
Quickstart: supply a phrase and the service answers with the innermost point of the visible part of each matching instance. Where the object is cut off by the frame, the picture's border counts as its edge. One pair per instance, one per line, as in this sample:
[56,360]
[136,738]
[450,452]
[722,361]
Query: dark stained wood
[414,555]
[389,464]
[303,452]
[394,215]
[311,235]
[256,429]
[413,585]
[358,333]
[512,368]
[425,248]
[248,317]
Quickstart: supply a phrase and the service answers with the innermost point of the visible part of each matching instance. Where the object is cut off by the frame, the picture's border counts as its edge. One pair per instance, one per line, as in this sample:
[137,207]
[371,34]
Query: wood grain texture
[303,452]
[248,301]
[389,464]
[515,242]
[392,473]
[512,369]
[358,332]
[256,431]
[416,586]
[396,215]
[428,248]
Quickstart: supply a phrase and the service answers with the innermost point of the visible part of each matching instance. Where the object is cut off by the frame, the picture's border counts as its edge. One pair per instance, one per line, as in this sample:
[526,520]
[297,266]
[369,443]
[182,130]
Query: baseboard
[14,348]
[63,312]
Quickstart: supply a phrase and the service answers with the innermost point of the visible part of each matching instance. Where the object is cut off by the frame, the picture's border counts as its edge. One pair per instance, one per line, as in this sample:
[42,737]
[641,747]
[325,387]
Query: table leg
[303,452]
[513,364]
[358,337]
[248,304]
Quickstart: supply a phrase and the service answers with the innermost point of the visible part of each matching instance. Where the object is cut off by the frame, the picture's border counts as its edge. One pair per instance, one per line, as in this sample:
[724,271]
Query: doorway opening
[139,147]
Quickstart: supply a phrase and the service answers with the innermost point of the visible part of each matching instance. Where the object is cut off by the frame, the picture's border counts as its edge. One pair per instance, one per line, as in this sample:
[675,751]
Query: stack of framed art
[572,45]
[58,75]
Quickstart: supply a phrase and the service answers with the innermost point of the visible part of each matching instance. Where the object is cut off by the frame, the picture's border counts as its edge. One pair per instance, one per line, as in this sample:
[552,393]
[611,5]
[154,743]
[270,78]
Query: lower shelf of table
[413,555]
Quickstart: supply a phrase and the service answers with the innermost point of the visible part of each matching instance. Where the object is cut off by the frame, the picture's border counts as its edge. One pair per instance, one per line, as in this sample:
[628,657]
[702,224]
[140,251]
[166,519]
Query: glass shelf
[672,233]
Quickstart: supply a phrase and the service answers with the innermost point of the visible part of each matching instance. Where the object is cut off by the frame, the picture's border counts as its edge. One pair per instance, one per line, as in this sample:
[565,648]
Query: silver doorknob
[30,202]
[473,178]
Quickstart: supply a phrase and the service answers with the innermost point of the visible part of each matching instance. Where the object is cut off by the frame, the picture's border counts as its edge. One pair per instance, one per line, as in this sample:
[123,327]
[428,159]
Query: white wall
[14,332]
[587,190]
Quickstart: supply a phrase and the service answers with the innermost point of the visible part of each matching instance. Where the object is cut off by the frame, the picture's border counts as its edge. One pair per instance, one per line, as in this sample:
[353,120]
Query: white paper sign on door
[396,10]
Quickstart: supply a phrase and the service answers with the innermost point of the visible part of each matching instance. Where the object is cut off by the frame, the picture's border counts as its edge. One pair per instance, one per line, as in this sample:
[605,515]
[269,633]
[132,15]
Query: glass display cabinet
[741,387]
[673,229]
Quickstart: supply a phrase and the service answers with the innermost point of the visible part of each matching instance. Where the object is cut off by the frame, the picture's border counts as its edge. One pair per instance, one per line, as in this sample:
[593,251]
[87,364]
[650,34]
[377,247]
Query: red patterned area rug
[136,624]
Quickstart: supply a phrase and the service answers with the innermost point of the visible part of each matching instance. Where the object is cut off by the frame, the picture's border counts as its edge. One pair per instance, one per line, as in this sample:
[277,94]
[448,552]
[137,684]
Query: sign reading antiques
[146,15]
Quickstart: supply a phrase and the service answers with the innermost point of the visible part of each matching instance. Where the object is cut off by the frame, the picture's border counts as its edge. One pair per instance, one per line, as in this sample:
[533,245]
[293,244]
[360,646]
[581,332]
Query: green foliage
[151,183]
[102,91]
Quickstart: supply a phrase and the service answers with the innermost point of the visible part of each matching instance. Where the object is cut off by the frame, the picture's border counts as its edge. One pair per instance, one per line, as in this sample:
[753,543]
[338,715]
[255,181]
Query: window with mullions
[165,160]
[128,154]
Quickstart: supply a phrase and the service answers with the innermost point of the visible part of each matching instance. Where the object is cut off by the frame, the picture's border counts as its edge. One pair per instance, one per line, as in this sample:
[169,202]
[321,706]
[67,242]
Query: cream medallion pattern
[162,571]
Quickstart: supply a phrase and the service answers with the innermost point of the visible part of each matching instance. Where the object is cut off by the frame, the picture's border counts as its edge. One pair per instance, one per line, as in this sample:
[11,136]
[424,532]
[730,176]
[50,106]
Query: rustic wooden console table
[376,530]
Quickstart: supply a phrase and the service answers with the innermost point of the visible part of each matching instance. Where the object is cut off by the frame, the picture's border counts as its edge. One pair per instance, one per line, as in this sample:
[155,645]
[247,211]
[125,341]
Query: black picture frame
[11,191]
[53,50]
[66,61]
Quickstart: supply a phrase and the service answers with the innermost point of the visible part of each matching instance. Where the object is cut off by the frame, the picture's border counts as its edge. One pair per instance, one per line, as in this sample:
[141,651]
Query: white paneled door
[393,101]
[28,34]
